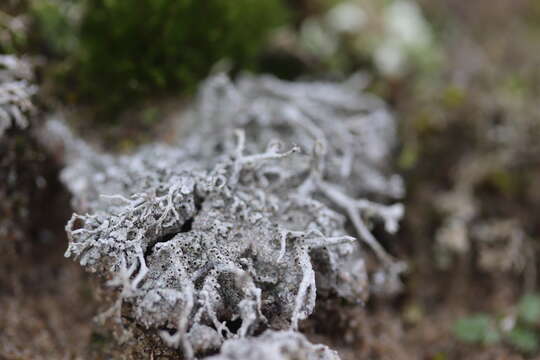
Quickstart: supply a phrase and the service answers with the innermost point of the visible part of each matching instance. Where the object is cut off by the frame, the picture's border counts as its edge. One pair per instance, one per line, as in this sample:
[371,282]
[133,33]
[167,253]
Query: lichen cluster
[274,345]
[22,163]
[16,91]
[243,225]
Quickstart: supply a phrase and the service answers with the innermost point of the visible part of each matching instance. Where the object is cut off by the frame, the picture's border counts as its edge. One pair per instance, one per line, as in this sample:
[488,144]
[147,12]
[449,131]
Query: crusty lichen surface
[242,225]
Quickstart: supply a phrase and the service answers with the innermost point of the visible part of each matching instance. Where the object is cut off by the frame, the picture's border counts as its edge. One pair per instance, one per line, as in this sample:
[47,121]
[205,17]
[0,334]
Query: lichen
[232,232]
[274,345]
[16,91]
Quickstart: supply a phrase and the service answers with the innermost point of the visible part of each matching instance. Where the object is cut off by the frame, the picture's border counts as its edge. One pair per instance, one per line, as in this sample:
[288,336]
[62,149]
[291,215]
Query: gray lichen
[355,129]
[274,345]
[232,226]
[24,168]
[16,91]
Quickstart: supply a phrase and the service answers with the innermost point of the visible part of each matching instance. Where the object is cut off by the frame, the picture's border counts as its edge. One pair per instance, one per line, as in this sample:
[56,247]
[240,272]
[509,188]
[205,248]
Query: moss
[503,181]
[55,25]
[453,97]
[110,54]
[130,51]
[408,157]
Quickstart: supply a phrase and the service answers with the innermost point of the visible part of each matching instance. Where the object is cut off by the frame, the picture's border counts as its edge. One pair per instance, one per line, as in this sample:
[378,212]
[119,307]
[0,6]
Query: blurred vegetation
[112,53]
[55,25]
[520,330]
[127,51]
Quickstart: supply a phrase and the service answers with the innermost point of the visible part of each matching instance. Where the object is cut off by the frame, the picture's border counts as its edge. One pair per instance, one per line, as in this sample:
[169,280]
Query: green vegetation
[55,23]
[128,50]
[479,328]
[523,332]
[114,53]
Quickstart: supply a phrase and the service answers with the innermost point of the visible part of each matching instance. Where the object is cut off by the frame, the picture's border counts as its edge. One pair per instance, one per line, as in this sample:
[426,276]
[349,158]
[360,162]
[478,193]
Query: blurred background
[463,78]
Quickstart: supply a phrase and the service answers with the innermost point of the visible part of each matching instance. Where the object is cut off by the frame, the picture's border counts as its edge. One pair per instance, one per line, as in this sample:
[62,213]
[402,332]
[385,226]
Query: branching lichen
[232,233]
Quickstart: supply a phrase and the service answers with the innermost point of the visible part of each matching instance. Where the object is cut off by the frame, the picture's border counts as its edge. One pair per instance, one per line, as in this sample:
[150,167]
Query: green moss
[515,85]
[453,97]
[424,122]
[12,39]
[129,51]
[110,54]
[55,25]
[507,183]
[408,157]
